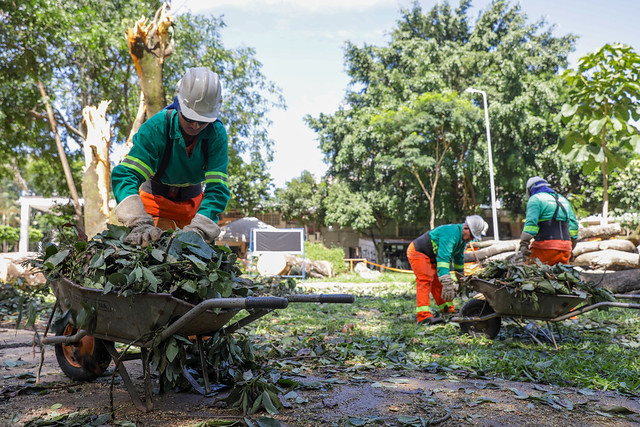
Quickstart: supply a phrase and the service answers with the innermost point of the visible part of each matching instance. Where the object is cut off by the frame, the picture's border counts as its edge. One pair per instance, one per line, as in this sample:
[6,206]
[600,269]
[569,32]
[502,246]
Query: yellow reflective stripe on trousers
[445,305]
[423,308]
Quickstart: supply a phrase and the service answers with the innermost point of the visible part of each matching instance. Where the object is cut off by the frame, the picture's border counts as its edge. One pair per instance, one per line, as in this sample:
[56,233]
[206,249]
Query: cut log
[481,244]
[600,231]
[494,249]
[618,282]
[312,268]
[601,245]
[608,259]
[14,270]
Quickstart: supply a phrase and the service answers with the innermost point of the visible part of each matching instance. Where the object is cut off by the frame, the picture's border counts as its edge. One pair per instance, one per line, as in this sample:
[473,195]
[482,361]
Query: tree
[420,137]
[360,211]
[77,50]
[301,200]
[439,52]
[603,99]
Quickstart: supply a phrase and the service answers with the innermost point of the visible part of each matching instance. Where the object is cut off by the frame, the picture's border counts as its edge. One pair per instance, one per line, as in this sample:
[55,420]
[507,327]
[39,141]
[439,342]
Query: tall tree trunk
[149,44]
[97,169]
[62,154]
[137,122]
[605,175]
[605,191]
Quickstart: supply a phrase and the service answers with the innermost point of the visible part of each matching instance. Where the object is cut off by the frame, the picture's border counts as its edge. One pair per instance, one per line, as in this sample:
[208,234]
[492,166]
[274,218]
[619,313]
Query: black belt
[553,230]
[172,192]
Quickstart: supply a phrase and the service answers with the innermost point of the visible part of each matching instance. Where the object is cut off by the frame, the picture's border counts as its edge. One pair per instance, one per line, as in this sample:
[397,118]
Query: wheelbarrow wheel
[83,361]
[479,308]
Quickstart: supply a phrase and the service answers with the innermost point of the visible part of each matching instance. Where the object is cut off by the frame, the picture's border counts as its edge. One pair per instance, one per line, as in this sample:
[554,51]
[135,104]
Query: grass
[597,350]
[348,277]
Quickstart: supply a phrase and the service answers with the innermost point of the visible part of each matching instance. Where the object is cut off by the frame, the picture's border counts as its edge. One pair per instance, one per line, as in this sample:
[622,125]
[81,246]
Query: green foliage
[598,350]
[425,139]
[527,280]
[301,199]
[252,394]
[9,234]
[76,49]
[603,102]
[433,56]
[318,252]
[179,263]
[18,302]
[625,188]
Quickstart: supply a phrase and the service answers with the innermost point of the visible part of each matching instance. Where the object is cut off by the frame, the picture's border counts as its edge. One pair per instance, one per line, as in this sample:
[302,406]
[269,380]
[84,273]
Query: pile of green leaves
[559,279]
[185,266]
[179,263]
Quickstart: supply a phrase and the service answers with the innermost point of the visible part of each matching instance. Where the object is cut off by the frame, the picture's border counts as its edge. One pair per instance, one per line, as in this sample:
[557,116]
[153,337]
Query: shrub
[317,252]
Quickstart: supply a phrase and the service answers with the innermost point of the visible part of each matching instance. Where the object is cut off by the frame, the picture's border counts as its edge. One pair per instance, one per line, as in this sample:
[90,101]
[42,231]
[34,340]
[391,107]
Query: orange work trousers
[427,284]
[552,252]
[168,214]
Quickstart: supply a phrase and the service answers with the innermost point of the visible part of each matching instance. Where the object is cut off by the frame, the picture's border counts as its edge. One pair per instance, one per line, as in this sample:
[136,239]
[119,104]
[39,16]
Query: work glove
[524,251]
[574,242]
[449,287]
[130,212]
[204,226]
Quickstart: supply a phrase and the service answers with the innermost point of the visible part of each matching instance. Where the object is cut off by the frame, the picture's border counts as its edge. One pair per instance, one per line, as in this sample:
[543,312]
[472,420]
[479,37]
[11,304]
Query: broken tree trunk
[97,169]
[616,281]
[149,44]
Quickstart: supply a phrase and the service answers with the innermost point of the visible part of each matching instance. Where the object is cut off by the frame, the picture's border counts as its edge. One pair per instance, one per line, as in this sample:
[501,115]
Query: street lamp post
[493,190]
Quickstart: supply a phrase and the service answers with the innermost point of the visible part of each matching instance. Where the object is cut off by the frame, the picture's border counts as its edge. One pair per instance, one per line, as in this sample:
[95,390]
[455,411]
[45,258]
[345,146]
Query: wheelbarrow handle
[323,298]
[266,302]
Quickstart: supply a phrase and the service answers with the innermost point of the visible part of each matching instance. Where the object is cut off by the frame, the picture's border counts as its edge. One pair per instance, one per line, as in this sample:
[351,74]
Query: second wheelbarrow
[482,316]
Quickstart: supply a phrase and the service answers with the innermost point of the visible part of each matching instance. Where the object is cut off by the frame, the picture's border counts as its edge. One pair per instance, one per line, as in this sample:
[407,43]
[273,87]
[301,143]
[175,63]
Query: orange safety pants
[169,214]
[426,283]
[552,252]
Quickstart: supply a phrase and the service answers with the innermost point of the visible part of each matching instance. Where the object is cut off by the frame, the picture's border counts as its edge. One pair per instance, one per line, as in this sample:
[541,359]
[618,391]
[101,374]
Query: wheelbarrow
[482,315]
[144,320]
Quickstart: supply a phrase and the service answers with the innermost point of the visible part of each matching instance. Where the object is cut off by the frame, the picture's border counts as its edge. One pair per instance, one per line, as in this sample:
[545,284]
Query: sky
[300,44]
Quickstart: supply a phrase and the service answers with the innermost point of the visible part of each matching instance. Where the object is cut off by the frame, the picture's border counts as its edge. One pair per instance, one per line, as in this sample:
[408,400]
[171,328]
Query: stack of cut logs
[606,255]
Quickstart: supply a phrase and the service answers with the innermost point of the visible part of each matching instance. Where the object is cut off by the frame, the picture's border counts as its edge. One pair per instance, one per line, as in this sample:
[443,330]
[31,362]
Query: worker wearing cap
[432,256]
[158,185]
[551,224]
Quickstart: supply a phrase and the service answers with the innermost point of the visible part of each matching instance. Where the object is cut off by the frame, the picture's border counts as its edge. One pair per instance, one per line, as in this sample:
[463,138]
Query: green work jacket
[183,170]
[541,207]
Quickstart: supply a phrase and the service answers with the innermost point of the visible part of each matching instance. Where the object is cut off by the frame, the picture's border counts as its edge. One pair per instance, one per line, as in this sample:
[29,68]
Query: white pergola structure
[41,203]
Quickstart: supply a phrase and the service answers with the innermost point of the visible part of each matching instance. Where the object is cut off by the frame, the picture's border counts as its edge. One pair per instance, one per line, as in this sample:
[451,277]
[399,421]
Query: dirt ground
[329,397]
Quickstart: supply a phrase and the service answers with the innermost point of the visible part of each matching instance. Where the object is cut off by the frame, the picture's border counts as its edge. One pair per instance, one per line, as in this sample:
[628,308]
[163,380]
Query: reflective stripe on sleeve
[138,166]
[216,177]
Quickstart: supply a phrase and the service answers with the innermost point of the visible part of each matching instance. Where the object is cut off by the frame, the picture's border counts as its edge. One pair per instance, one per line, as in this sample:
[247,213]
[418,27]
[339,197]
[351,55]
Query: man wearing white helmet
[159,184]
[432,256]
[550,222]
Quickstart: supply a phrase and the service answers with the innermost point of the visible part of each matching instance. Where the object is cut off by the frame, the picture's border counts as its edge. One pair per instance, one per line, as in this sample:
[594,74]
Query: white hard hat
[535,182]
[477,226]
[200,94]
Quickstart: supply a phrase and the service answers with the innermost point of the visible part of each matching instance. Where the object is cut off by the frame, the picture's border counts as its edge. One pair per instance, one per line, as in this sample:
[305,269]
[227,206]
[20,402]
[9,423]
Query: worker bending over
[159,184]
[431,257]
